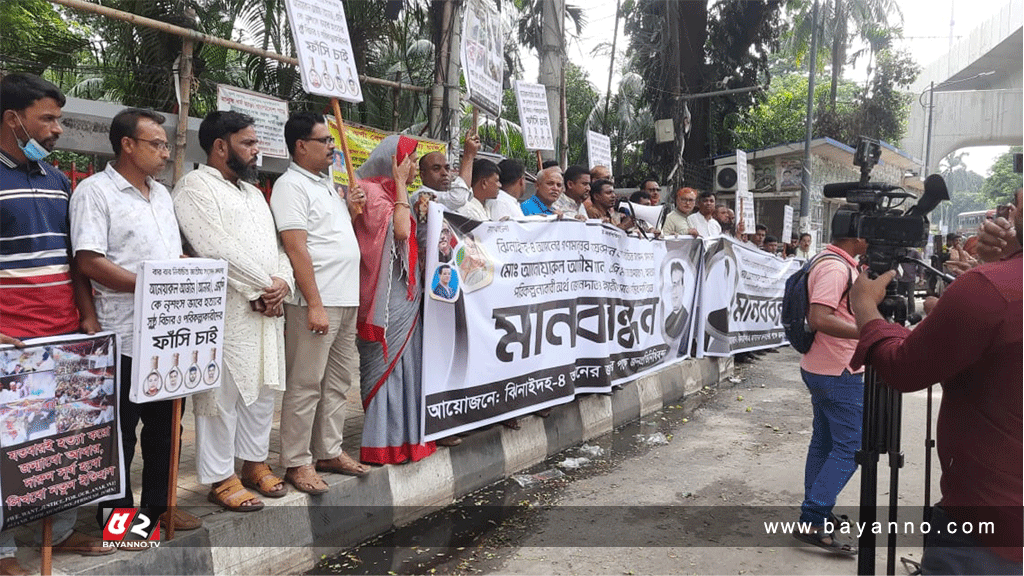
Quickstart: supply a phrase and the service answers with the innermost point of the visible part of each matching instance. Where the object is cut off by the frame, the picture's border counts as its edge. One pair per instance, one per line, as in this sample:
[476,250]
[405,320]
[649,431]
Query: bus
[967,223]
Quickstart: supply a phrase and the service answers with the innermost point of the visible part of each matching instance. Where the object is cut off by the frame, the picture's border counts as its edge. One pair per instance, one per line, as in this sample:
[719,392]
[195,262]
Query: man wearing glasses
[676,222]
[653,189]
[119,218]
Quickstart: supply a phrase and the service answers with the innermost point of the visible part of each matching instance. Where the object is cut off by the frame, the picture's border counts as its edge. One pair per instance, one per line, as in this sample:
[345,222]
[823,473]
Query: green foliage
[965,193]
[37,37]
[1002,181]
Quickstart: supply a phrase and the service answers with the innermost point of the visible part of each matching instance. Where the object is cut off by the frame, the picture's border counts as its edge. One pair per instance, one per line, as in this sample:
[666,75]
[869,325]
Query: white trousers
[239,432]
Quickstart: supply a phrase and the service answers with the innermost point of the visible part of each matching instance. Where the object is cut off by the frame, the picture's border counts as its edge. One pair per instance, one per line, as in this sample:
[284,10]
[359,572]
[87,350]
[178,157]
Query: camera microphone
[840,189]
[935,191]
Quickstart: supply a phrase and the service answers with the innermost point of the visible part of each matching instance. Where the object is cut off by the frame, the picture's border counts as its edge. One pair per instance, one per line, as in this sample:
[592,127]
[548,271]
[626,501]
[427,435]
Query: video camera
[879,218]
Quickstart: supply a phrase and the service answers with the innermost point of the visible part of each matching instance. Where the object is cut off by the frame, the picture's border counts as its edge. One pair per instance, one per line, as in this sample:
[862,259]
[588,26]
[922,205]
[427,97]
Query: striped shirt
[36,295]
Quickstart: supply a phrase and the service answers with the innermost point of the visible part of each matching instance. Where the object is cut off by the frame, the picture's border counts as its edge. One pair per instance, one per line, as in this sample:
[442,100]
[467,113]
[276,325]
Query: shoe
[83,545]
[305,479]
[182,520]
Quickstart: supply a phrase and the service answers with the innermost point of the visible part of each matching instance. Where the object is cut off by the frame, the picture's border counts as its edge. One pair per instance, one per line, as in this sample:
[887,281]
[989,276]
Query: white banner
[599,150]
[326,62]
[534,118]
[483,60]
[269,113]
[741,300]
[525,315]
[179,327]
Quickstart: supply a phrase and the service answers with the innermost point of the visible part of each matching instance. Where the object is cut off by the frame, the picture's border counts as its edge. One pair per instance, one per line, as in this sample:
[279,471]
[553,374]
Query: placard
[534,118]
[326,61]
[483,59]
[787,224]
[744,198]
[269,113]
[361,141]
[179,327]
[599,150]
[59,430]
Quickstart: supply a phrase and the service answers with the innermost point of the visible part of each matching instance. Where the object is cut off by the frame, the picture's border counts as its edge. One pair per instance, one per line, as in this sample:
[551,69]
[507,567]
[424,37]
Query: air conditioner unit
[726,178]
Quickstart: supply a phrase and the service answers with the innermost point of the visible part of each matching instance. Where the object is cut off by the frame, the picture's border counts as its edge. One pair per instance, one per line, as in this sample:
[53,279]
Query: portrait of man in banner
[720,281]
[678,289]
[445,285]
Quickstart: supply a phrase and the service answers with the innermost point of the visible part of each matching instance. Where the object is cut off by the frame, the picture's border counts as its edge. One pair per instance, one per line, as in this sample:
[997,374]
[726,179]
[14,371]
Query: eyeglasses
[323,140]
[158,144]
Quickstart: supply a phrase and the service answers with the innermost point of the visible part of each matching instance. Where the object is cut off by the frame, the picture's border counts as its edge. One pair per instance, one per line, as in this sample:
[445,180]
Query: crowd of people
[324,291]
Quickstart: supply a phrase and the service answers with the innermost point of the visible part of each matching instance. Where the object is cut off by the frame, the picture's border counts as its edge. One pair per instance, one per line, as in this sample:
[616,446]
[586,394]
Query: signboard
[741,298]
[787,224]
[269,113]
[525,315]
[326,61]
[179,327]
[483,61]
[534,118]
[744,198]
[599,150]
[361,141]
[59,431]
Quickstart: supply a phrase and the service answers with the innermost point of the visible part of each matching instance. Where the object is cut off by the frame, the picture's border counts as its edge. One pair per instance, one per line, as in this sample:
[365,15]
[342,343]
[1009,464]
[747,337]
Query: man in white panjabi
[223,216]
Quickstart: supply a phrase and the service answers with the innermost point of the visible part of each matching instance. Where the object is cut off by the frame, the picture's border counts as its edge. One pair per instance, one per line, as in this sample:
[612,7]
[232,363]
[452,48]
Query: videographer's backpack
[796,303]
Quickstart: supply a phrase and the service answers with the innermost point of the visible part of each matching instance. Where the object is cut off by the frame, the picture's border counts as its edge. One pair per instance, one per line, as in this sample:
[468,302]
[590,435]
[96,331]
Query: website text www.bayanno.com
[858,529]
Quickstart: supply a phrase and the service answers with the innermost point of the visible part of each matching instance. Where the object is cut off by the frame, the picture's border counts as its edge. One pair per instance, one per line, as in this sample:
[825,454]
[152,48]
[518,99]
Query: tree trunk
[838,52]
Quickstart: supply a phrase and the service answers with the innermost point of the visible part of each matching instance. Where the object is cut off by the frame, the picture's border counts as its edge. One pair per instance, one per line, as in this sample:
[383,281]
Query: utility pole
[552,60]
[805,179]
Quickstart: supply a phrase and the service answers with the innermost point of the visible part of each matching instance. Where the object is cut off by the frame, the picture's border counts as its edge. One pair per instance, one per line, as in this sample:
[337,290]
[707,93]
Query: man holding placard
[120,218]
[435,173]
[223,216]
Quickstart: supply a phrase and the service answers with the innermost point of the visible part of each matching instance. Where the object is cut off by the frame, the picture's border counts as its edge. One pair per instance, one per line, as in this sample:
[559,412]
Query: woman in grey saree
[389,324]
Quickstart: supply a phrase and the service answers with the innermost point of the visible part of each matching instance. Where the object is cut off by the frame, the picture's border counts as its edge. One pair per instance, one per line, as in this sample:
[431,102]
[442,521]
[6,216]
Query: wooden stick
[172,475]
[47,564]
[476,119]
[340,125]
[540,162]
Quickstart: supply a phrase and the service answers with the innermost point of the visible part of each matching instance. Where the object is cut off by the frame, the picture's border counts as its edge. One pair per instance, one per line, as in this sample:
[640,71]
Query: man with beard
[726,219]
[120,218]
[223,216]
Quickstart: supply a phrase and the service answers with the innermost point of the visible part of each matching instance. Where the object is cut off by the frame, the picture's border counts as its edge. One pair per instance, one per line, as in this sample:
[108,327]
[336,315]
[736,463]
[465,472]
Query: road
[697,505]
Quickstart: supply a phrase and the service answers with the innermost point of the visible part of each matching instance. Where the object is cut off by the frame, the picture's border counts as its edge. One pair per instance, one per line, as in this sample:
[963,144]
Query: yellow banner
[361,141]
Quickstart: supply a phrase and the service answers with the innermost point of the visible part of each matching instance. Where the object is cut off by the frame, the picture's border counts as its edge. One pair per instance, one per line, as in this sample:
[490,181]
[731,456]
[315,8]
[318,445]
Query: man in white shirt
[223,216]
[676,222]
[485,187]
[513,184]
[803,247]
[321,358]
[120,218]
[703,221]
[577,191]
[435,174]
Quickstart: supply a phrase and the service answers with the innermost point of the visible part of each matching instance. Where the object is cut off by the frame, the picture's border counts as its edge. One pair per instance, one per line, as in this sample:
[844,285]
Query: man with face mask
[43,293]
[223,216]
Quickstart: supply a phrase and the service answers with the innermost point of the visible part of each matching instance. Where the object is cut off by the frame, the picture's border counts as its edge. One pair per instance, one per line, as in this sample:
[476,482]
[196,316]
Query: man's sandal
[233,496]
[263,480]
[826,540]
[342,464]
[305,479]
[83,545]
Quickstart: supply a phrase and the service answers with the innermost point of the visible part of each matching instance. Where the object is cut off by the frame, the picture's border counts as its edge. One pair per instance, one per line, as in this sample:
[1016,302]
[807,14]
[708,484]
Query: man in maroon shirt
[979,425]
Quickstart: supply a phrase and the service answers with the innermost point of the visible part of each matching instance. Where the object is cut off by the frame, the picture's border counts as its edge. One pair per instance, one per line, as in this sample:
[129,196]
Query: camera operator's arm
[968,314]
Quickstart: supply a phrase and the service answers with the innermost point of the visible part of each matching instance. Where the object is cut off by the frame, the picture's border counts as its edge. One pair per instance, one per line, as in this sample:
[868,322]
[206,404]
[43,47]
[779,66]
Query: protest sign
[744,197]
[787,223]
[525,315]
[269,113]
[59,430]
[327,64]
[361,141]
[599,150]
[534,119]
[483,60]
[179,327]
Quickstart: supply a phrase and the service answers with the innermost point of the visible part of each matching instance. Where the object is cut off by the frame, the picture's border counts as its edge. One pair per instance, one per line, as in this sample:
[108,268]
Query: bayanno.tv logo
[130,528]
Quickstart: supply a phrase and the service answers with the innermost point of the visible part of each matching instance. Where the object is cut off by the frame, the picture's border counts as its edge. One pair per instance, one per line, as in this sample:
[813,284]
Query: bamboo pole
[340,125]
[185,97]
[47,552]
[208,39]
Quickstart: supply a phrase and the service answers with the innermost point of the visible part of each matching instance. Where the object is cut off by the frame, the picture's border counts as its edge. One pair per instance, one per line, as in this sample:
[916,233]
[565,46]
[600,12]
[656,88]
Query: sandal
[233,496]
[263,480]
[826,540]
[342,464]
[83,545]
[305,479]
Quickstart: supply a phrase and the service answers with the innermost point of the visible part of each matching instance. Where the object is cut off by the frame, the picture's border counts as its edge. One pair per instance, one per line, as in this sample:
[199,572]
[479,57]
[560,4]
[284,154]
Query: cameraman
[979,424]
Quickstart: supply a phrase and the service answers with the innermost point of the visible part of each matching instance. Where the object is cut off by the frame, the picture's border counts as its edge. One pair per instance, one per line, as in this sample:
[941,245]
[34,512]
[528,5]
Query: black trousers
[156,420]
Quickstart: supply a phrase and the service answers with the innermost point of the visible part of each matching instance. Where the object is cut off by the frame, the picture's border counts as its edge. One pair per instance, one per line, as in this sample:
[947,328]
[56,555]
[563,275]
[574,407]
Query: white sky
[929,26]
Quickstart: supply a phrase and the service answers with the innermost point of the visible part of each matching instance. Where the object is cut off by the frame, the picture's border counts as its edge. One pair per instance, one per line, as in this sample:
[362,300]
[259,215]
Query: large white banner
[741,300]
[525,315]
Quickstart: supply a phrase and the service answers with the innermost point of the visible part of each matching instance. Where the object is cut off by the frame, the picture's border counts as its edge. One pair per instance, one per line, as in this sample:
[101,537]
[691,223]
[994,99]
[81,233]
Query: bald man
[436,172]
[549,188]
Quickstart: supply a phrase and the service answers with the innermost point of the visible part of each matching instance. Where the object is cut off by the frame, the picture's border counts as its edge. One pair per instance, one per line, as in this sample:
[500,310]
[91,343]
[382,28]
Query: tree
[965,193]
[36,37]
[1002,181]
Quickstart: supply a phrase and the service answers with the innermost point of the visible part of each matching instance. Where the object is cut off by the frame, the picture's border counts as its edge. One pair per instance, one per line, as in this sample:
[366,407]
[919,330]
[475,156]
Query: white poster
[526,315]
[741,298]
[483,59]
[744,197]
[599,150]
[326,62]
[269,113]
[533,116]
[787,224]
[179,324]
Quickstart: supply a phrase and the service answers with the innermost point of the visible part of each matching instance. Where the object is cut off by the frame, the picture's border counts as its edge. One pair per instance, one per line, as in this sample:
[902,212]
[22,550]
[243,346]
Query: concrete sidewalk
[292,533]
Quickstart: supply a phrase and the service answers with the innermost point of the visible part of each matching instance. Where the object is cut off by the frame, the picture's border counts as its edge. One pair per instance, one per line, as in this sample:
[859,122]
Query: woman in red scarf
[390,289]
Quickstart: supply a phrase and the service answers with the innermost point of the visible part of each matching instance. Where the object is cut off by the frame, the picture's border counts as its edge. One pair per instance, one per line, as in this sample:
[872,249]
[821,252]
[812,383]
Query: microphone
[935,191]
[840,189]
